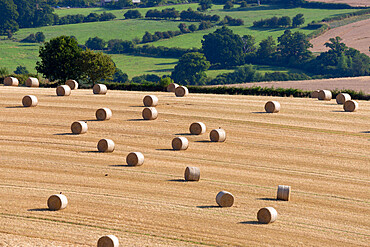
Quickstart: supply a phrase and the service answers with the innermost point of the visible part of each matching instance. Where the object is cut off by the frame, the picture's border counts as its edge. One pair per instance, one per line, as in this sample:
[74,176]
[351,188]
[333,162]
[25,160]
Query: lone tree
[95,43]
[60,59]
[191,69]
[223,47]
[97,66]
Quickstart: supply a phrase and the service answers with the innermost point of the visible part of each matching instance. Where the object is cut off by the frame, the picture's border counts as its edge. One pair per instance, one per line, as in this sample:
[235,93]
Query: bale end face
[103,114]
[108,241]
[217,135]
[225,199]
[32,82]
[272,107]
[150,113]
[283,193]
[171,87]
[197,128]
[57,202]
[79,127]
[315,94]
[150,100]
[324,95]
[267,215]
[350,106]
[11,81]
[63,90]
[29,101]
[342,98]
[180,143]
[135,159]
[181,91]
[72,84]
[192,174]
[100,89]
[106,146]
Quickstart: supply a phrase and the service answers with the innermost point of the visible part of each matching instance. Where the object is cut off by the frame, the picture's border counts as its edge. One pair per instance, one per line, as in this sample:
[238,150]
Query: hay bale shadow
[14,107]
[38,209]
[259,112]
[267,199]
[250,222]
[165,149]
[136,120]
[208,206]
[91,152]
[184,134]
[65,134]
[204,141]
[177,180]
[365,132]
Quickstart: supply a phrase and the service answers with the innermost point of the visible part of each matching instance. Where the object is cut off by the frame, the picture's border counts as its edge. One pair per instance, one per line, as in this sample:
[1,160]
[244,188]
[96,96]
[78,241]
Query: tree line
[284,21]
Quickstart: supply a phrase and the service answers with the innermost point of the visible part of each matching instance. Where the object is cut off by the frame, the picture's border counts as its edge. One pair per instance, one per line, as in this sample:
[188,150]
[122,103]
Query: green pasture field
[13,54]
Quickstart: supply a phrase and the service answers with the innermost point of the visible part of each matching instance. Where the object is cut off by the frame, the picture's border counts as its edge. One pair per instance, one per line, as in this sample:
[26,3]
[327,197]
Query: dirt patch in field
[311,145]
[355,35]
[353,83]
[360,3]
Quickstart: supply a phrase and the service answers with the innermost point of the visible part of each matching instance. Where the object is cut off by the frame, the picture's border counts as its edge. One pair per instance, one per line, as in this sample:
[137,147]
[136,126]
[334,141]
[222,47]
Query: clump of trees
[132,14]
[229,21]
[169,13]
[92,17]
[38,37]
[191,15]
[62,58]
[190,69]
[284,21]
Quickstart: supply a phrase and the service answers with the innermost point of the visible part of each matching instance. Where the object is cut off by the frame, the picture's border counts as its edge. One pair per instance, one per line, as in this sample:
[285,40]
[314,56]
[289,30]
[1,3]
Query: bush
[132,14]
[21,70]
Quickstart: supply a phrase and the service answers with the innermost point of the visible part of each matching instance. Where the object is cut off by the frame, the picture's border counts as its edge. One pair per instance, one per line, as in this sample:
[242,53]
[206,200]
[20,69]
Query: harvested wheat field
[353,83]
[355,35]
[315,147]
[356,3]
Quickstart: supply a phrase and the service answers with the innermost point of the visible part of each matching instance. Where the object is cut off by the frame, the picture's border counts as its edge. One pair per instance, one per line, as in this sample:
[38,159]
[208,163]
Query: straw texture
[29,100]
[150,100]
[106,145]
[57,202]
[103,114]
[283,193]
[342,97]
[217,135]
[197,128]
[267,215]
[108,241]
[135,159]
[180,143]
[192,173]
[72,84]
[32,82]
[171,87]
[324,95]
[63,90]
[181,91]
[100,89]
[79,127]
[224,199]
[350,106]
[150,113]
[272,107]
[11,81]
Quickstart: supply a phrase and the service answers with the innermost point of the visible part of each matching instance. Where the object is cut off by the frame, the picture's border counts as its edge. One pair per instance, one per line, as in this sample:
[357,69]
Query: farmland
[313,146]
[14,53]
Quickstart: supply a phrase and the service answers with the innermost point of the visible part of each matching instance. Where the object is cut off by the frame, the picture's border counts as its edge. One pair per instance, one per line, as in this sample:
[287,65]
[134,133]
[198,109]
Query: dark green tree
[228,5]
[204,5]
[293,47]
[9,15]
[60,59]
[192,28]
[298,20]
[21,70]
[40,37]
[132,14]
[223,47]
[96,66]
[284,21]
[95,43]
[119,76]
[267,48]
[190,69]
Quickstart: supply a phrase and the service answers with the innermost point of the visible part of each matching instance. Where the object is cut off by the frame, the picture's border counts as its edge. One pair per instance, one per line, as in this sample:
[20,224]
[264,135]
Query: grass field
[313,146]
[13,54]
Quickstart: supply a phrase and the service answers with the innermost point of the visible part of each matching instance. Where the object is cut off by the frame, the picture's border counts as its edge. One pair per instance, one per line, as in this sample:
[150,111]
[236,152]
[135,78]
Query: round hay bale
[283,193]
[150,100]
[32,82]
[100,89]
[11,81]
[106,146]
[63,90]
[272,107]
[192,173]
[267,215]
[197,128]
[150,113]
[135,159]
[79,127]
[57,202]
[108,241]
[72,84]
[217,135]
[29,100]
[342,97]
[224,199]
[180,143]
[324,95]
[181,91]
[350,106]
[103,114]
[315,94]
[172,86]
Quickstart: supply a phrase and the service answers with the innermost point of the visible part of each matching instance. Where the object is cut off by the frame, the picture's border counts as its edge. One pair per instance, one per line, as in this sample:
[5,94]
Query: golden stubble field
[313,146]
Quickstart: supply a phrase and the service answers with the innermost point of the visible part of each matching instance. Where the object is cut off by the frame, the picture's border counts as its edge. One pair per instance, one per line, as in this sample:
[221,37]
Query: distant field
[313,146]
[363,3]
[13,54]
